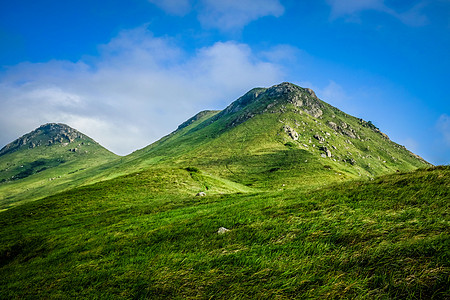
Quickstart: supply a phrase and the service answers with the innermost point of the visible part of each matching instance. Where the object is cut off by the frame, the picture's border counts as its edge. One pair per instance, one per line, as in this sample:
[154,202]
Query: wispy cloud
[351,9]
[138,89]
[229,15]
[443,125]
[174,7]
[235,14]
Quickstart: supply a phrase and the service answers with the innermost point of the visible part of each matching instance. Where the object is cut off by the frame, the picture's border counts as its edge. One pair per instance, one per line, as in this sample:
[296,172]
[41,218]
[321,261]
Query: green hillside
[316,204]
[132,237]
[280,137]
[46,161]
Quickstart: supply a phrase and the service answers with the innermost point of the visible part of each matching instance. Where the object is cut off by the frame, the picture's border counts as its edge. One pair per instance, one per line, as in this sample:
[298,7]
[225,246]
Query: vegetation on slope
[137,236]
[46,161]
[283,136]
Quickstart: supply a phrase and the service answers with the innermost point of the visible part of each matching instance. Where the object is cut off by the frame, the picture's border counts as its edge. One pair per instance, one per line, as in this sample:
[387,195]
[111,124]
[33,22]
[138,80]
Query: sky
[126,73]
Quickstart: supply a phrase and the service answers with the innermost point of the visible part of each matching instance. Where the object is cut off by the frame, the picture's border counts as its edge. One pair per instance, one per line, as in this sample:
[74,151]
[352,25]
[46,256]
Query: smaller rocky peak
[44,135]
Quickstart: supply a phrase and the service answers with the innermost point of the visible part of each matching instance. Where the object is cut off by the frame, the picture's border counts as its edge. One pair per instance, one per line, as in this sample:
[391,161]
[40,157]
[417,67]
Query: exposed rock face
[299,97]
[327,151]
[47,134]
[319,138]
[343,128]
[291,132]
[273,100]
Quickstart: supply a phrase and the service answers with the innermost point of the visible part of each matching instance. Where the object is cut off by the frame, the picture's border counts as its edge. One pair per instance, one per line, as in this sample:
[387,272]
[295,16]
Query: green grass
[246,149]
[147,236]
[30,174]
[302,224]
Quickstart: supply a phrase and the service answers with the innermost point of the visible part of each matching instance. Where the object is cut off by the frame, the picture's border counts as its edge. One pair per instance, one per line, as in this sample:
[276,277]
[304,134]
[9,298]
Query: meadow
[146,235]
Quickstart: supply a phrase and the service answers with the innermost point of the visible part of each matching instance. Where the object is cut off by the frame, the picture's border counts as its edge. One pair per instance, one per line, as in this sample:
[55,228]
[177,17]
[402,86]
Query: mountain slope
[282,137]
[45,161]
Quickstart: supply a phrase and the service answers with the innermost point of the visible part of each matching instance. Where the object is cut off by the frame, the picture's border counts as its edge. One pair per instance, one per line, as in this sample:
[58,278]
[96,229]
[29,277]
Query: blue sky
[129,72]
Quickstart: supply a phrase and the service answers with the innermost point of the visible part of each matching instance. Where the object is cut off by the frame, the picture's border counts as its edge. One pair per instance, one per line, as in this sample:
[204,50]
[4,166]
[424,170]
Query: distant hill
[39,162]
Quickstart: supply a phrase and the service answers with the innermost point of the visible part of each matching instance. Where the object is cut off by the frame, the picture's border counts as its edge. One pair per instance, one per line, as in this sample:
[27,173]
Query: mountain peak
[272,100]
[47,134]
[286,88]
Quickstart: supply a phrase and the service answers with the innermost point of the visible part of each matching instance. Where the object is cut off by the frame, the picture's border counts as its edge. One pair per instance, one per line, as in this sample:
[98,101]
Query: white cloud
[174,7]
[351,9]
[138,89]
[235,14]
[229,15]
[348,7]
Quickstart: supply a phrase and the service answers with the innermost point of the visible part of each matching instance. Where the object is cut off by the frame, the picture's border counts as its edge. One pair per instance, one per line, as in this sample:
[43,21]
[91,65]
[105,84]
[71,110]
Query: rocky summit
[46,160]
[45,135]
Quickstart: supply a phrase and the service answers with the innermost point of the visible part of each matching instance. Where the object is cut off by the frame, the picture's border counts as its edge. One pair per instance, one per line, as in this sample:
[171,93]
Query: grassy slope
[258,153]
[133,237]
[243,153]
[45,170]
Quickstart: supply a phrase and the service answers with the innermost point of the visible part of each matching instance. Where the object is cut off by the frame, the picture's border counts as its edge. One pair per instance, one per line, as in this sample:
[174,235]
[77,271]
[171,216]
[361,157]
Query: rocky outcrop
[344,129]
[319,138]
[303,98]
[272,100]
[291,132]
[326,151]
[48,134]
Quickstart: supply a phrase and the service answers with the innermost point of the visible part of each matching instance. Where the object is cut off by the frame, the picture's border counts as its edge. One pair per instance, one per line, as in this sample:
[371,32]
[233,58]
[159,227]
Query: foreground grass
[130,238]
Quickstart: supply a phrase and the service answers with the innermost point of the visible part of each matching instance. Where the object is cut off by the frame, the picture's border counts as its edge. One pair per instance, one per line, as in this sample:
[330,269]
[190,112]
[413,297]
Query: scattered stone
[327,152]
[332,125]
[319,138]
[222,230]
[292,133]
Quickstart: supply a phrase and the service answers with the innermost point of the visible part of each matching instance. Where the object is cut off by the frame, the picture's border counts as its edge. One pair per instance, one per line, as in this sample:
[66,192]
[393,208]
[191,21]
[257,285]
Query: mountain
[282,137]
[45,160]
[314,204]
[278,137]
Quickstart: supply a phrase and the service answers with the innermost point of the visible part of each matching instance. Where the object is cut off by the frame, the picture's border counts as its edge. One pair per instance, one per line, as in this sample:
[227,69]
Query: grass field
[318,205]
[147,236]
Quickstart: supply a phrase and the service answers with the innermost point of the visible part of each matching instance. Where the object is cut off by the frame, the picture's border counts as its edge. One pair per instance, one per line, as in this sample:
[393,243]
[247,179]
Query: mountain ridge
[281,136]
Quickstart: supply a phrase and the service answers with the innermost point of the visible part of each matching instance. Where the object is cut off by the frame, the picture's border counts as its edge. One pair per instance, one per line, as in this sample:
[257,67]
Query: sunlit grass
[125,238]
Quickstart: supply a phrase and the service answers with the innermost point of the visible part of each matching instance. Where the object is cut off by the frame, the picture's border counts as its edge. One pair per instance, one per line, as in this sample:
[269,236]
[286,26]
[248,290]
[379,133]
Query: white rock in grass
[201,194]
[222,230]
